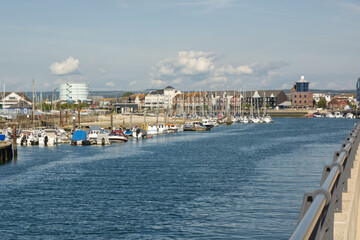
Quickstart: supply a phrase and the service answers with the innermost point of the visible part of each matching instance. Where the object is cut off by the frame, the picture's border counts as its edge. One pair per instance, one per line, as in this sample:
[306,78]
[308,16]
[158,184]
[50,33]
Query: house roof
[20,94]
[169,87]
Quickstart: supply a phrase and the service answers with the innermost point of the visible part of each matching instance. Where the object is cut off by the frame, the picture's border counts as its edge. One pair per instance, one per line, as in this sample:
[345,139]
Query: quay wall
[6,153]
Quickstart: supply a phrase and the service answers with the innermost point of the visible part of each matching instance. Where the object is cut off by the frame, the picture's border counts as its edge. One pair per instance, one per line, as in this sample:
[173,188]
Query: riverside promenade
[332,211]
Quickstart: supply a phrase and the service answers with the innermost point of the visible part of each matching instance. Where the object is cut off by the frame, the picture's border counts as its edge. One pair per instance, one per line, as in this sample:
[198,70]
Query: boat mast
[33,106]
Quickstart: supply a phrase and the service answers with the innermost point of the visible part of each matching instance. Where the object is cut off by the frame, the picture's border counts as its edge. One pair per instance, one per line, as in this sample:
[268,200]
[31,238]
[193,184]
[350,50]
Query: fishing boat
[152,130]
[162,128]
[172,128]
[117,136]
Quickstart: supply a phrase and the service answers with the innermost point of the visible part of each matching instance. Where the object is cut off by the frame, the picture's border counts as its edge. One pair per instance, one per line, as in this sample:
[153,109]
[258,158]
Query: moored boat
[195,126]
[117,136]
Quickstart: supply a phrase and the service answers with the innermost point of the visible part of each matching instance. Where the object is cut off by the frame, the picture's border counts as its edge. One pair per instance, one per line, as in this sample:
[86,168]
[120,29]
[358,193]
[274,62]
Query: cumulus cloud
[70,65]
[205,69]
[110,84]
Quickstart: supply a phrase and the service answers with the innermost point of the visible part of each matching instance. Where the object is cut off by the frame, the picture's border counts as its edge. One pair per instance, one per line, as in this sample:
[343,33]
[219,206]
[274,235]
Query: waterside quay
[332,210]
[6,152]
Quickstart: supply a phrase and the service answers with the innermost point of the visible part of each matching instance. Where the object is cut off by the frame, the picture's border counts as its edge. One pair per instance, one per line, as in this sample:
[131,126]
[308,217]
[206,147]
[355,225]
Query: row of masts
[209,104]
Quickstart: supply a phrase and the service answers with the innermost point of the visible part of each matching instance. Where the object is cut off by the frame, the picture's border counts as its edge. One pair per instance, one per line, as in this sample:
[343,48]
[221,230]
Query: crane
[51,96]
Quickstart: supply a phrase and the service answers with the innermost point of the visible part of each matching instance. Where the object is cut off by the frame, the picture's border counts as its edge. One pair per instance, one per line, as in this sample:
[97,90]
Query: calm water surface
[234,182]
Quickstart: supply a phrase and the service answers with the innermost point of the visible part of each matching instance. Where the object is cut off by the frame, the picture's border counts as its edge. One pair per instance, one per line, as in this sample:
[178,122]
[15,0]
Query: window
[295,101]
[294,95]
[305,101]
[304,96]
[299,96]
[12,98]
[300,101]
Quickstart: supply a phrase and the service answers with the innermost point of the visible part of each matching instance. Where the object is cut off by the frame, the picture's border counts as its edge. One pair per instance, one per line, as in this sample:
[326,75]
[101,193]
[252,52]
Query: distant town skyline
[206,45]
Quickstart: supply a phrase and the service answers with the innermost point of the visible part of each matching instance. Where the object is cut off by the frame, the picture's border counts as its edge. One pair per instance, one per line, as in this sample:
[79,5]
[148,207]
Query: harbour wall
[6,153]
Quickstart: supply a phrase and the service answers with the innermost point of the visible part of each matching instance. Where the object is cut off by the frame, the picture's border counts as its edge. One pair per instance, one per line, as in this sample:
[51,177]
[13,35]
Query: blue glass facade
[302,87]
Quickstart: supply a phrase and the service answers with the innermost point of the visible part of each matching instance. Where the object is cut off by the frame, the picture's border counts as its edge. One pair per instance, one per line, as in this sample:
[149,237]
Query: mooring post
[61,122]
[79,118]
[14,142]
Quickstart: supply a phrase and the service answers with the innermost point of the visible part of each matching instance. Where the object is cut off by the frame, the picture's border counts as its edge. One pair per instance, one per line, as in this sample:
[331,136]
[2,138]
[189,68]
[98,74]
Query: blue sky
[190,45]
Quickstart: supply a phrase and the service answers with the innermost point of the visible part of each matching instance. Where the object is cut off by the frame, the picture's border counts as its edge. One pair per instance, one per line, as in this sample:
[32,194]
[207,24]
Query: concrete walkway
[347,223]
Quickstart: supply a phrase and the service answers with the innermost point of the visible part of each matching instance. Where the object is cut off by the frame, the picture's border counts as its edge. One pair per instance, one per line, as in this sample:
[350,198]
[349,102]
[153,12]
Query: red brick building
[301,97]
[338,103]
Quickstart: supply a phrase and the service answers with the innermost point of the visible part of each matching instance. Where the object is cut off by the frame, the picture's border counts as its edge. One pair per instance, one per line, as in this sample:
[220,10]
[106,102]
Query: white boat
[172,128]
[349,115]
[329,115]
[49,137]
[162,128]
[267,119]
[338,115]
[139,133]
[152,130]
[27,137]
[207,123]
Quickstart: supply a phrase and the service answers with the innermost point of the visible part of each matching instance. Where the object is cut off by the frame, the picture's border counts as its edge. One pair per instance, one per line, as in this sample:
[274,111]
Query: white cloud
[110,84]
[205,69]
[70,65]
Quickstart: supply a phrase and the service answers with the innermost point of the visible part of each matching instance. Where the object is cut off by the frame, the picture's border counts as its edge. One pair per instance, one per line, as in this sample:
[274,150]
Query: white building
[74,92]
[15,100]
[161,98]
[317,96]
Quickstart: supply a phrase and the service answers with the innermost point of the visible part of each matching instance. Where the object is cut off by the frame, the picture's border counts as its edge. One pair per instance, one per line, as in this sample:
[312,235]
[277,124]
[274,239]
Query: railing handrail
[316,218]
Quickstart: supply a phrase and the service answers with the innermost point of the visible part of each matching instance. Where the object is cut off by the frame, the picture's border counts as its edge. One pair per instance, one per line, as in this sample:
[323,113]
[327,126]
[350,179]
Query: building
[358,91]
[271,98]
[15,100]
[317,96]
[163,98]
[338,103]
[72,92]
[301,97]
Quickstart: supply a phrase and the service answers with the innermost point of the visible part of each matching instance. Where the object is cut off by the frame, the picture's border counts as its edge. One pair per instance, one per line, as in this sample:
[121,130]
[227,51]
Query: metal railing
[316,220]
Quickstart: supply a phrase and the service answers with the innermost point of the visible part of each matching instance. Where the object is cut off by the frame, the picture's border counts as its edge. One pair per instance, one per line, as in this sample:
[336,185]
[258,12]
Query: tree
[127,94]
[322,103]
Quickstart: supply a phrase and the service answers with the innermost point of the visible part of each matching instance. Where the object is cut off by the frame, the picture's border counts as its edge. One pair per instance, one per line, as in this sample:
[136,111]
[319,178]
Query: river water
[243,181]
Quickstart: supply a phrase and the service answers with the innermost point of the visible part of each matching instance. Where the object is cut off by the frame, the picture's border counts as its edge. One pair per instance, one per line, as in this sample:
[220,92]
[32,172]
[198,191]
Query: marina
[235,181]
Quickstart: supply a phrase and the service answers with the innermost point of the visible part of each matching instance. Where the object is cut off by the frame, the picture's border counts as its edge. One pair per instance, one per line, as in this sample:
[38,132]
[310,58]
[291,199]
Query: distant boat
[195,126]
